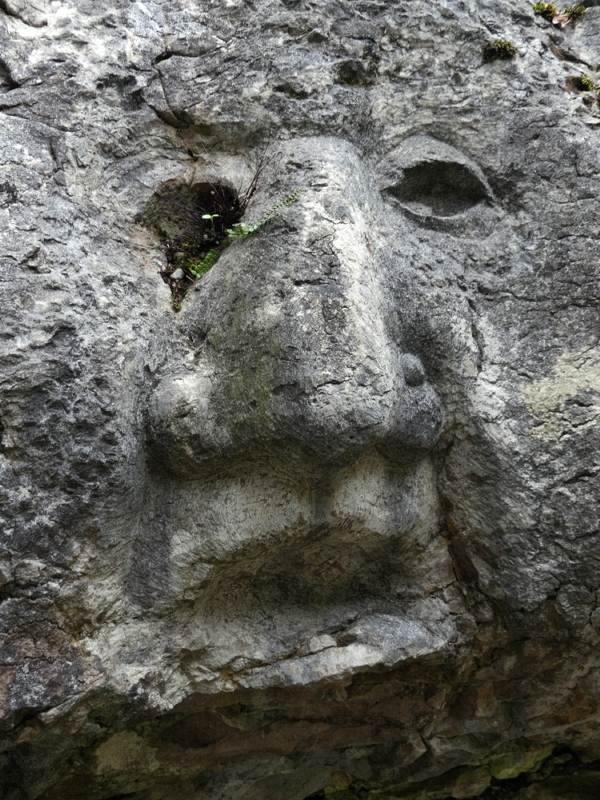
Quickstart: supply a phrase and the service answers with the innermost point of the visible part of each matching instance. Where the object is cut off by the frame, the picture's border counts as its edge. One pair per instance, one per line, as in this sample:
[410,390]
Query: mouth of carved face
[324,565]
[257,535]
[325,601]
[275,575]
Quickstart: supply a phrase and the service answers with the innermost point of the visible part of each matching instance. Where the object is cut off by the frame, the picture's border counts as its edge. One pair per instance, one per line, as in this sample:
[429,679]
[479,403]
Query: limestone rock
[323,521]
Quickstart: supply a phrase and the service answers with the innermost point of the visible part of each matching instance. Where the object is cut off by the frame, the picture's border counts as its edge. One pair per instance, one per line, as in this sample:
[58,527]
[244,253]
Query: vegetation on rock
[239,230]
[546,10]
[550,12]
[574,12]
[197,222]
[498,49]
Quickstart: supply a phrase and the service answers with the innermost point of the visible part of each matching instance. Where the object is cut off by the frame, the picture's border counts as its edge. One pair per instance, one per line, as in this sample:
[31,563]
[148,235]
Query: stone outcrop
[323,522]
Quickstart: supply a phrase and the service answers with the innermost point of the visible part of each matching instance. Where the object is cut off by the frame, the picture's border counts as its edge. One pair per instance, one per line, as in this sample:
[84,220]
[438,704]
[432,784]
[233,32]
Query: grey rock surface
[332,528]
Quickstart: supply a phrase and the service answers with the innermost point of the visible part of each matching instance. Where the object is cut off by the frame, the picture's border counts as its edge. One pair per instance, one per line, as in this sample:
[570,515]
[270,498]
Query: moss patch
[561,18]
[125,752]
[539,770]
[522,757]
[574,12]
[498,49]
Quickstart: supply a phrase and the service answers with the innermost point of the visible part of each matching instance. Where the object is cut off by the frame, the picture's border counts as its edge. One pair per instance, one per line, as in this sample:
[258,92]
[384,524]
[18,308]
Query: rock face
[330,529]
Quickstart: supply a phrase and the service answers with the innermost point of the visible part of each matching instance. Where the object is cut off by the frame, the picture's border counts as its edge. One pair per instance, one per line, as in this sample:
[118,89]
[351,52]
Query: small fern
[201,266]
[239,230]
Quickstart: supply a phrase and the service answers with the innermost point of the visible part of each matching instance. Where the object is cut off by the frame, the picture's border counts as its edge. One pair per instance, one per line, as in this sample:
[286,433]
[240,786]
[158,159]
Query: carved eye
[438,188]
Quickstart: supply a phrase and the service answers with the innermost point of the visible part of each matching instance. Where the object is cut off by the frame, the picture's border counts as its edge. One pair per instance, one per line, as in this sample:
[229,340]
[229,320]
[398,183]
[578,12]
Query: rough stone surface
[332,529]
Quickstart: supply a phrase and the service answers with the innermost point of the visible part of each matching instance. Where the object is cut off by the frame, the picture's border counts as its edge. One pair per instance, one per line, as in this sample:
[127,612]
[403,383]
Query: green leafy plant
[212,218]
[200,267]
[195,222]
[239,230]
[546,10]
[499,48]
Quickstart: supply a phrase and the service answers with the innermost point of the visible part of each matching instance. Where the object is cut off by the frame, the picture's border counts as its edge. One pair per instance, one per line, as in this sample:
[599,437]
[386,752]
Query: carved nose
[294,345]
[207,415]
[313,368]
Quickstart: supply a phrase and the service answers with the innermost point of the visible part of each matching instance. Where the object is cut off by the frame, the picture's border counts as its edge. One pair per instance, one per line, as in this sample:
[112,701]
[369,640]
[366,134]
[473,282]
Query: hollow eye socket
[438,188]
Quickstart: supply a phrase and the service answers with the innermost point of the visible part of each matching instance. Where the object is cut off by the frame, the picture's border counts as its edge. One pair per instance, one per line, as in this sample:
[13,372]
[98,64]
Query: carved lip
[378,641]
[332,561]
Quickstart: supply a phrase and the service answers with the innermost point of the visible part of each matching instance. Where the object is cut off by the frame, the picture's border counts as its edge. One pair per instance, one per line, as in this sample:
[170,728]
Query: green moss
[466,781]
[522,757]
[546,10]
[549,11]
[581,83]
[586,84]
[499,48]
[125,752]
[471,780]
[574,12]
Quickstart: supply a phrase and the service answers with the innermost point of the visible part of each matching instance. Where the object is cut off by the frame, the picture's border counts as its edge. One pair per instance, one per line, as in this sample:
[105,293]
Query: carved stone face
[293,451]
[339,418]
[339,446]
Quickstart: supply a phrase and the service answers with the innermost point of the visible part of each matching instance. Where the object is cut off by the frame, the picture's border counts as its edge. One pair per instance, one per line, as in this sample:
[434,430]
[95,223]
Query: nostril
[414,371]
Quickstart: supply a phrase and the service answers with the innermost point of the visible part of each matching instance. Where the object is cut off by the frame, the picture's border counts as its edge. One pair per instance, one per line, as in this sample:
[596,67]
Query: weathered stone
[523,757]
[329,521]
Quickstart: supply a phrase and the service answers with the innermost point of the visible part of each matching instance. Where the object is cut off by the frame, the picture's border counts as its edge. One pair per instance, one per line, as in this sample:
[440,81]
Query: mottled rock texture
[331,529]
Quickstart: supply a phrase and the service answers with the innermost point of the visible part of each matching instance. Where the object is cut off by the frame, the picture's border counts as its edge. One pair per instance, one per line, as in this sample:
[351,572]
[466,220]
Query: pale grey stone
[178,274]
